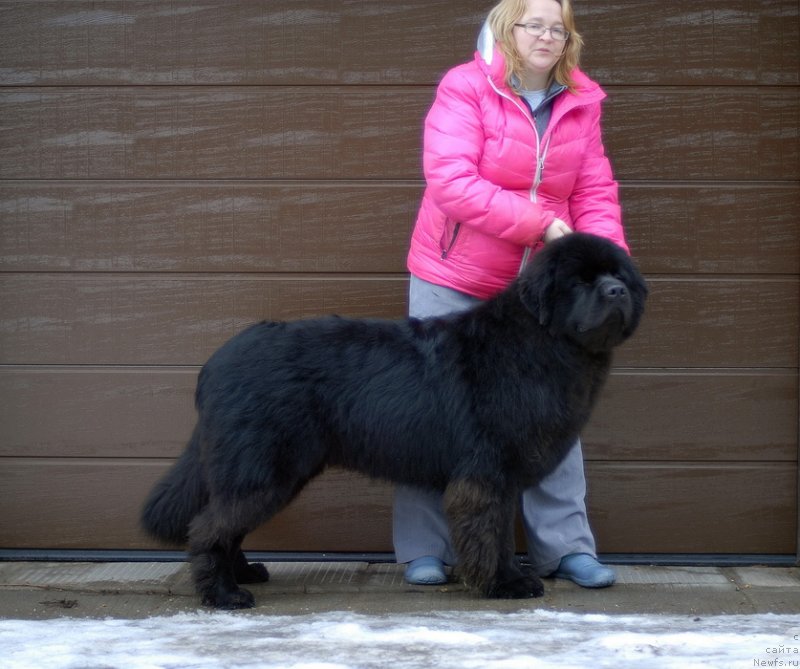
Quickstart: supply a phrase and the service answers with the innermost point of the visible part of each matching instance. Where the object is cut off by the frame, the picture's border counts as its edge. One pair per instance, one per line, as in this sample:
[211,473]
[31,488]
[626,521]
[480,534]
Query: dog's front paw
[230,600]
[525,585]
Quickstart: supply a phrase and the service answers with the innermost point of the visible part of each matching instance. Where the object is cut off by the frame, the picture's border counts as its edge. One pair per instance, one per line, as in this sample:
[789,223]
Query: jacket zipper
[452,243]
[540,156]
[526,254]
[539,169]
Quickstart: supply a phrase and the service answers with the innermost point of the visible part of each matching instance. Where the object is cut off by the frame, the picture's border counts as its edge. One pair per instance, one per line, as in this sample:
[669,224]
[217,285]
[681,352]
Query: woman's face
[540,54]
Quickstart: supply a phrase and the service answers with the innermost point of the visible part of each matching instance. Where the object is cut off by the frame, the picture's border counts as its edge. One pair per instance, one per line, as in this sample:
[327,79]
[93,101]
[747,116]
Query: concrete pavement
[41,590]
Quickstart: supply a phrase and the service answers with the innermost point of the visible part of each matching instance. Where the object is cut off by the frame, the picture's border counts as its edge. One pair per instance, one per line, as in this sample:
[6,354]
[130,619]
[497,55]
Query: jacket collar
[552,90]
[490,59]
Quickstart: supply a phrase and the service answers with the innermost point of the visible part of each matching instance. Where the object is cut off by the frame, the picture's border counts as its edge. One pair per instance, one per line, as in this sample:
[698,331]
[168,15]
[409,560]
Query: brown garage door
[170,172]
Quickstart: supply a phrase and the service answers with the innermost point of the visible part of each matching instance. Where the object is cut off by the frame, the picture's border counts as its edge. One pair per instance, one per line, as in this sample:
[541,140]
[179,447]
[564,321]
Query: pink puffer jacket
[481,208]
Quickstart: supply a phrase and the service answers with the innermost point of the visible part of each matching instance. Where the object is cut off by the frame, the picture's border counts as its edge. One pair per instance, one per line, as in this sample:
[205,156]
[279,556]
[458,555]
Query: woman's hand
[556,229]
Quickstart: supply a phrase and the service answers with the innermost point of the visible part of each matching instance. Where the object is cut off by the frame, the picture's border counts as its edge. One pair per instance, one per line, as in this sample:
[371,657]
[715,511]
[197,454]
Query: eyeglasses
[537,30]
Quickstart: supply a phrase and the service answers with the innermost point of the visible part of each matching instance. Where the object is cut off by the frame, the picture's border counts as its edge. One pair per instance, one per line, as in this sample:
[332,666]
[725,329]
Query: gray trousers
[553,512]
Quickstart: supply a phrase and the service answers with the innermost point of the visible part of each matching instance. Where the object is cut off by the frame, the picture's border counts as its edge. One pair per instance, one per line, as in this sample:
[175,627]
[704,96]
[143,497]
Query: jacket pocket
[449,238]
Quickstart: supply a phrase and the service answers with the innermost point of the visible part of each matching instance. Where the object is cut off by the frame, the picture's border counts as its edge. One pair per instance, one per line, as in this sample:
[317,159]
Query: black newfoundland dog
[478,405]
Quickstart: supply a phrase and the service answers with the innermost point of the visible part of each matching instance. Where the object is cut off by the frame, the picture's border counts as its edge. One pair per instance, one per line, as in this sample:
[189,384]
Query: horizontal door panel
[180,319]
[746,508]
[311,132]
[717,323]
[727,133]
[206,227]
[642,416]
[123,319]
[699,508]
[355,227]
[713,228]
[704,415]
[271,41]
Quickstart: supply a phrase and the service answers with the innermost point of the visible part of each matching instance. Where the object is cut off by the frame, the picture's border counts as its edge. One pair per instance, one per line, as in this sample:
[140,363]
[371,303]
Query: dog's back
[326,391]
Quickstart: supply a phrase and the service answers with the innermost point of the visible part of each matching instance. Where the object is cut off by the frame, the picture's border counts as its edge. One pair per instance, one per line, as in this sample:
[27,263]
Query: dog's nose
[613,289]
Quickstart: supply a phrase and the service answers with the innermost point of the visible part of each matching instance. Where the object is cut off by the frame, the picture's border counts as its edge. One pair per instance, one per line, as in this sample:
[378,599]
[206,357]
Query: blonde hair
[502,18]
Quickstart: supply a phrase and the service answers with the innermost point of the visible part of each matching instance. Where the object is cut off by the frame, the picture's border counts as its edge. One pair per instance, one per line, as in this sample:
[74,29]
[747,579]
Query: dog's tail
[177,498]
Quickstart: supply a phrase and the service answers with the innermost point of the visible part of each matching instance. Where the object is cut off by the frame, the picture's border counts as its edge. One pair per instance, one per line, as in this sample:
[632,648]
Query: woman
[513,158]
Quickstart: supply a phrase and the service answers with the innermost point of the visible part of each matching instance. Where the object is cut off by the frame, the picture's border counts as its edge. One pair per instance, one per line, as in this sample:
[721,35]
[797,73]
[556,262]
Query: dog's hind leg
[212,554]
[481,521]
[244,571]
[215,554]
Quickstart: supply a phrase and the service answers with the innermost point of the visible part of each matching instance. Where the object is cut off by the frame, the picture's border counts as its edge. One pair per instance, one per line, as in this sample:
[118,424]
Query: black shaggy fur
[478,405]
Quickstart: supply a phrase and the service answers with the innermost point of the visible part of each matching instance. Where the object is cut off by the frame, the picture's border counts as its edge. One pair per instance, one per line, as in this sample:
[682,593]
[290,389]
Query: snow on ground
[444,640]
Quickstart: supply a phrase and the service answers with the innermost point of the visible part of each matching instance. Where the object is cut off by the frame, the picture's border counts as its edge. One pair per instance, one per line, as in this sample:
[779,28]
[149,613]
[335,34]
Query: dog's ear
[536,289]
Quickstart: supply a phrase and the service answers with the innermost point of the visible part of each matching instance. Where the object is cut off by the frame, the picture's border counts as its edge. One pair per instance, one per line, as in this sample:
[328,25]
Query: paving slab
[41,590]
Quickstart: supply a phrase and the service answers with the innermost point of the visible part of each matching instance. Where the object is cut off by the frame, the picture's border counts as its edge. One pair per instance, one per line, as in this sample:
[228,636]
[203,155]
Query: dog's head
[585,288]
